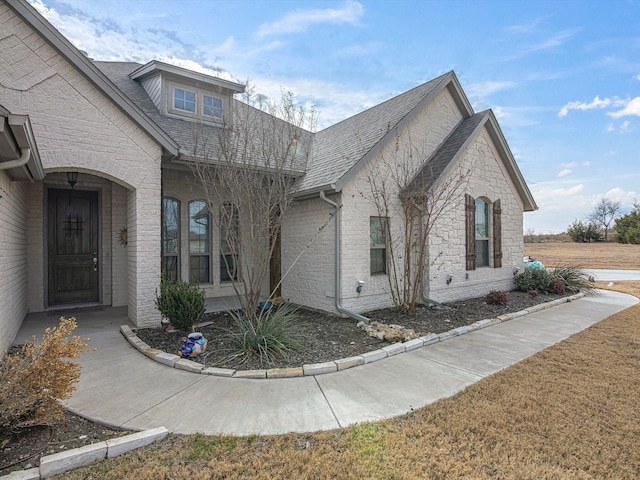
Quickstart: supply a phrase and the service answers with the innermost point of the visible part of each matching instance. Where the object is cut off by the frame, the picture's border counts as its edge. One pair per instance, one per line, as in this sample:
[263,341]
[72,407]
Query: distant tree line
[603,219]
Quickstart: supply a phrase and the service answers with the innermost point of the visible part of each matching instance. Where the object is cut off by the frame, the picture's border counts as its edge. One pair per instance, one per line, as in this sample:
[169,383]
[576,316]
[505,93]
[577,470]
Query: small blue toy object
[194,345]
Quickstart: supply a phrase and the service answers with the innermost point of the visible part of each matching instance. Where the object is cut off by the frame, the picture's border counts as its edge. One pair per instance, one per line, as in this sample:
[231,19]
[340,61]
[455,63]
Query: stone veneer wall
[491,182]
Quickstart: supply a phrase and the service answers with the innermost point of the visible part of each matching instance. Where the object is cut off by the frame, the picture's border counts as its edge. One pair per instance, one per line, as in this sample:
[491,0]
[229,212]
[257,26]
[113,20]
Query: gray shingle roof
[334,151]
[446,153]
[339,147]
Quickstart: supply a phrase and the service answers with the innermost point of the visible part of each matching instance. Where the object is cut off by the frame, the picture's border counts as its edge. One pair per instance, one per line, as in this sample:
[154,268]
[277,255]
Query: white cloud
[300,20]
[586,164]
[631,107]
[483,89]
[618,194]
[525,27]
[550,43]
[597,102]
[568,164]
[565,172]
[637,77]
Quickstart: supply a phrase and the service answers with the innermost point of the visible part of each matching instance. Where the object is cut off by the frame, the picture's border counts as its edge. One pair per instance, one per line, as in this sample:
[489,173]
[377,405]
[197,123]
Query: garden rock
[390,333]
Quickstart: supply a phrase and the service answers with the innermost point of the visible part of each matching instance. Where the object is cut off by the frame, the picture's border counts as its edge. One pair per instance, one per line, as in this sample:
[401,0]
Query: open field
[588,255]
[568,412]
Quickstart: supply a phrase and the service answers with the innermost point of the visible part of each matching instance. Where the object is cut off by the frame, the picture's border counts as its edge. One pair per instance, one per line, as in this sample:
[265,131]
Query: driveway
[605,275]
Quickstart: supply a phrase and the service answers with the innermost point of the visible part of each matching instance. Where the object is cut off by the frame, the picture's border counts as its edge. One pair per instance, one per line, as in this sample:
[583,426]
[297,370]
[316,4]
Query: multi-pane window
[229,233]
[184,100]
[170,237]
[199,242]
[482,233]
[211,106]
[378,245]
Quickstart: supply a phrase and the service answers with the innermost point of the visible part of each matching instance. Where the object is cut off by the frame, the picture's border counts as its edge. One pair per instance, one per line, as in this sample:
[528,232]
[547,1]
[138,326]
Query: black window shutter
[497,234]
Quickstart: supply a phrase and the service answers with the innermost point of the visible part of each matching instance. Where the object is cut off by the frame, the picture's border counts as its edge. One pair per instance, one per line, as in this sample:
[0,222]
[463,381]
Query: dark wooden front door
[73,246]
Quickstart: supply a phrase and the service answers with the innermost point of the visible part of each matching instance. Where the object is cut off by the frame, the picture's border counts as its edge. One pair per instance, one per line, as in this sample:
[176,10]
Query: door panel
[73,246]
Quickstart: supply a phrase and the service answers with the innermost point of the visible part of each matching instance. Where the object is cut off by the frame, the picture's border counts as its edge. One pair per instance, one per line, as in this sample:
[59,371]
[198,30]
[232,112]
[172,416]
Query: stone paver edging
[176,361]
[57,463]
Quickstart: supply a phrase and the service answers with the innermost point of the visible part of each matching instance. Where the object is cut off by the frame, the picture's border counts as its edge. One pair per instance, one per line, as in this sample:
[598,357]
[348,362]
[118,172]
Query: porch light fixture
[72,178]
[449,279]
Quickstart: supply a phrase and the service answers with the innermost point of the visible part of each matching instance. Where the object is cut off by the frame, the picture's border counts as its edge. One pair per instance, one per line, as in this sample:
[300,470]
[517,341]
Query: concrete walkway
[121,387]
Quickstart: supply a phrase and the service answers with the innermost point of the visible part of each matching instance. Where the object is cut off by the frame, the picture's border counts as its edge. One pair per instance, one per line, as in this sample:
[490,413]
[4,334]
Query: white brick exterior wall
[77,128]
[311,280]
[13,259]
[421,137]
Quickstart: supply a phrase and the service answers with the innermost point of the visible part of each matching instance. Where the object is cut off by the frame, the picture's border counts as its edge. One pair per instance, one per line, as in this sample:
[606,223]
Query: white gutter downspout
[20,162]
[338,280]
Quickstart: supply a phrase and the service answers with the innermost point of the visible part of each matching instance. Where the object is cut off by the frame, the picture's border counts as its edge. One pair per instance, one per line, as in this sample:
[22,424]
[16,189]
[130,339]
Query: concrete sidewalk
[119,386]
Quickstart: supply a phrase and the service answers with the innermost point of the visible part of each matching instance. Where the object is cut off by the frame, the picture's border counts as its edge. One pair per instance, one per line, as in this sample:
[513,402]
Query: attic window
[211,106]
[184,100]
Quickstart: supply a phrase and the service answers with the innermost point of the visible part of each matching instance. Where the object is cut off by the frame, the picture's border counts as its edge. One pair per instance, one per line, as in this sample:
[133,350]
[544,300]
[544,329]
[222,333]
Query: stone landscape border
[58,463]
[176,361]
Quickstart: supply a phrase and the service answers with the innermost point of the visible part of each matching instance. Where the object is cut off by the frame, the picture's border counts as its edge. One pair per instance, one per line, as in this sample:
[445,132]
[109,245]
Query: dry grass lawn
[587,255]
[569,412]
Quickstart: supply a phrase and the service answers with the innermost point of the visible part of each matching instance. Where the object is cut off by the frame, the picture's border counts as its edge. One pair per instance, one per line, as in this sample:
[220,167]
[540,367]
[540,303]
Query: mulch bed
[25,448]
[329,337]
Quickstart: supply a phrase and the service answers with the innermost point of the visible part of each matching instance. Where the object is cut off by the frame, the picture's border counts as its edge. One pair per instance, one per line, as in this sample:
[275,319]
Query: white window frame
[214,109]
[186,91]
[485,239]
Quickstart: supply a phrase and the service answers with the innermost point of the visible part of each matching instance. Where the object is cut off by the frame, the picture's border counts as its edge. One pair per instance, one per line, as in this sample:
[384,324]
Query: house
[97,197]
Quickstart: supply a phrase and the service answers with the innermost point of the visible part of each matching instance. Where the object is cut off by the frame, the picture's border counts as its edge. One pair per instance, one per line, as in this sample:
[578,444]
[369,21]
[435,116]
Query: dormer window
[211,106]
[184,100]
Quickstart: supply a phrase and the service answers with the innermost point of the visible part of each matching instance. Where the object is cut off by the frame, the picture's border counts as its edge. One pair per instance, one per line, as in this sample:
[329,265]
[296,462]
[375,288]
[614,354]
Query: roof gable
[86,67]
[454,147]
[339,152]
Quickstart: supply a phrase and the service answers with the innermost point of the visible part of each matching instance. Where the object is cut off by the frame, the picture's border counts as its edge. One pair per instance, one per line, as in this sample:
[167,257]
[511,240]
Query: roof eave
[155,65]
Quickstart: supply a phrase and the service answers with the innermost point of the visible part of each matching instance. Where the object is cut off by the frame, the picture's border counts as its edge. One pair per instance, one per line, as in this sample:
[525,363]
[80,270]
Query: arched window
[199,242]
[170,238]
[482,233]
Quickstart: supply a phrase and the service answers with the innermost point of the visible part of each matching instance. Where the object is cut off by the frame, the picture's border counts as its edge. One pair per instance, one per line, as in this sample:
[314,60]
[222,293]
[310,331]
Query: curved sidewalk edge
[58,463]
[314,369]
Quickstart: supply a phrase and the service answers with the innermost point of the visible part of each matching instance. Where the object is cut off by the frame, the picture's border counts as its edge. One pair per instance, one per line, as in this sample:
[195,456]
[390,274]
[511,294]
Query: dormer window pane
[212,107]
[184,100]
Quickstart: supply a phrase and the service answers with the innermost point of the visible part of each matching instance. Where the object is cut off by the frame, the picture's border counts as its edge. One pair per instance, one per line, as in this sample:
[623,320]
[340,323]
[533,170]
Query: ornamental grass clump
[574,278]
[36,378]
[182,303]
[275,333]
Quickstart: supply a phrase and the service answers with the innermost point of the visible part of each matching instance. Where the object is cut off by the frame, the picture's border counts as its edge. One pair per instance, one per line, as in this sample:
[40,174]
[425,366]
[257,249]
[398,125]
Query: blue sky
[562,77]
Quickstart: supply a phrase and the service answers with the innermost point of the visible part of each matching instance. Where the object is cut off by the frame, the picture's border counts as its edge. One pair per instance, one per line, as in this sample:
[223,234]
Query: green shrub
[583,232]
[275,333]
[628,228]
[574,278]
[182,303]
[533,279]
[496,297]
[35,379]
